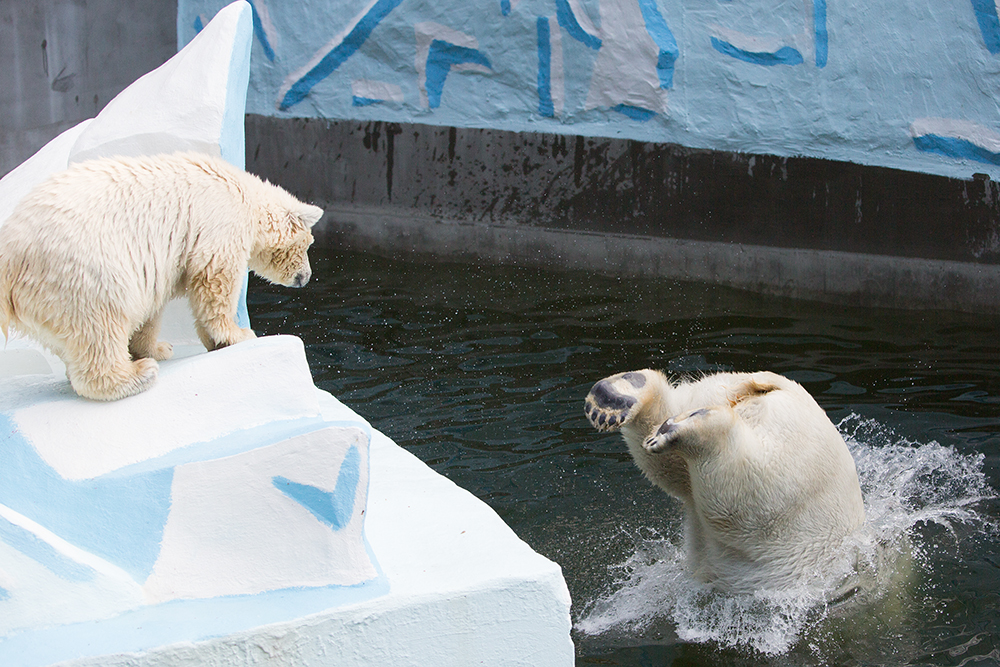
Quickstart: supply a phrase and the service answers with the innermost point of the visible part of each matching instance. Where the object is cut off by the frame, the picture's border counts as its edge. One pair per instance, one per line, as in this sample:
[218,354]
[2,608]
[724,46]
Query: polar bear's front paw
[691,427]
[612,402]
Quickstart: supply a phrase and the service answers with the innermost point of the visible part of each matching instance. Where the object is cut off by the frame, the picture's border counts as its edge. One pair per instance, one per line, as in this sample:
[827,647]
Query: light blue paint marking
[660,32]
[177,621]
[198,25]
[786,55]
[4,594]
[955,148]
[339,54]
[118,519]
[566,19]
[333,509]
[822,36]
[43,553]
[545,106]
[232,139]
[242,314]
[364,101]
[505,7]
[635,113]
[440,57]
[258,30]
[989,23]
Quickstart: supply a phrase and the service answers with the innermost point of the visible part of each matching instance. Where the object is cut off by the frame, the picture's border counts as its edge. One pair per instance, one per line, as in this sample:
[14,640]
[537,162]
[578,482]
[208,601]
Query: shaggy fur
[769,487]
[91,256]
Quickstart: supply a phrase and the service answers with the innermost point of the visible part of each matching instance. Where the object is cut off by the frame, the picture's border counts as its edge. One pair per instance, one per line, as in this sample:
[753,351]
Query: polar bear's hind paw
[606,406]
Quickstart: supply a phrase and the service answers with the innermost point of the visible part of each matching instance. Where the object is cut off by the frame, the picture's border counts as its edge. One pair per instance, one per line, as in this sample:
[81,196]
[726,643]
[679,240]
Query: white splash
[905,484]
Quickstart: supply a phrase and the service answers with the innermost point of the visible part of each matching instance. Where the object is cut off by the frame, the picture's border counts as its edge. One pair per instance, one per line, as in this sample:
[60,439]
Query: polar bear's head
[283,239]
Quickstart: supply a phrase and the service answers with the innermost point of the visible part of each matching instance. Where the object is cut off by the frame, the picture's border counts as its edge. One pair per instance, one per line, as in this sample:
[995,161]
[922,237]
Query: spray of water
[907,486]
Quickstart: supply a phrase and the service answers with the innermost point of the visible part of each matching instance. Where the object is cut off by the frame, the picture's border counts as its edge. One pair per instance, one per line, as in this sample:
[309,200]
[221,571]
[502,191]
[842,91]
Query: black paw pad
[605,396]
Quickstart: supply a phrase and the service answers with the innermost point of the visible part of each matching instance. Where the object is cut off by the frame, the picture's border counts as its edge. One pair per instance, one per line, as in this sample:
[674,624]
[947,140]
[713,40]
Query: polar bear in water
[769,487]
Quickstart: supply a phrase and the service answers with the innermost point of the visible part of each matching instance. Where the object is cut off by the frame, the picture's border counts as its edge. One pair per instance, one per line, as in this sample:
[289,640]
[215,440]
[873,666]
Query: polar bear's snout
[301,278]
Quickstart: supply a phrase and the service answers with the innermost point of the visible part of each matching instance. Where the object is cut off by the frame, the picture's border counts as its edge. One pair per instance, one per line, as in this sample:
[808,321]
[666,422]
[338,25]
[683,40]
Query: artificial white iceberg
[234,514]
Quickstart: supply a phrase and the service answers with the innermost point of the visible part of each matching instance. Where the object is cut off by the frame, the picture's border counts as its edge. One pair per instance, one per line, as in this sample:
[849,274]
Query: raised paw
[613,401]
[695,428]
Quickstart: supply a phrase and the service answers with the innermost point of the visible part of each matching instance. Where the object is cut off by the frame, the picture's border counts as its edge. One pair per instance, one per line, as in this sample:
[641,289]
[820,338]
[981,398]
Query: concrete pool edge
[819,275]
[798,227]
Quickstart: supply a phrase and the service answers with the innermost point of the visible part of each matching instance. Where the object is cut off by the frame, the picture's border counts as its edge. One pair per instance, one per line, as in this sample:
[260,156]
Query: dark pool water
[481,372]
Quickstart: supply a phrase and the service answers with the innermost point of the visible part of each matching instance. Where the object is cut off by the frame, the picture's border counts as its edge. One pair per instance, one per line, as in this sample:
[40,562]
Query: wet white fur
[91,256]
[769,487]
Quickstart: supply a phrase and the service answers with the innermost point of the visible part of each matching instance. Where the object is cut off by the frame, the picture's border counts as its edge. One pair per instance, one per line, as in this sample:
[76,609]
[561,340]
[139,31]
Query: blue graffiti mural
[335,53]
[545,105]
[612,67]
[786,55]
[441,57]
[989,23]
[660,32]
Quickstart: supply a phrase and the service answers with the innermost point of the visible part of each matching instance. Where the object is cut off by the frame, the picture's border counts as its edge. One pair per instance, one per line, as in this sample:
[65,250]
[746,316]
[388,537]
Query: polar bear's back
[101,225]
[123,230]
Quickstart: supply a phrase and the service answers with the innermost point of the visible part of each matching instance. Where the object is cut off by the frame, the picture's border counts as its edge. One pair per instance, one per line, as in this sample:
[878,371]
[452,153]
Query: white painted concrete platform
[234,514]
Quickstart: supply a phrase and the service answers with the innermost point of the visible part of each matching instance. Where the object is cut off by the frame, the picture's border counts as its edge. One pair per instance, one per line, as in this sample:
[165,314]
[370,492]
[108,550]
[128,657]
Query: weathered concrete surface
[63,60]
[800,227]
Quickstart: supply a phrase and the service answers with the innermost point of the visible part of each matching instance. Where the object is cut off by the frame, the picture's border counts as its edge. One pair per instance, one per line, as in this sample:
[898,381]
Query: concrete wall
[63,60]
[798,227]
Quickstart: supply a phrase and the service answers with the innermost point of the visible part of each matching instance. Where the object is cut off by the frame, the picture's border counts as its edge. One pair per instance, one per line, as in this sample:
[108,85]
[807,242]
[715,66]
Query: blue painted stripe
[340,53]
[822,37]
[664,38]
[989,23]
[118,519]
[440,57]
[43,553]
[545,106]
[505,7]
[198,25]
[955,148]
[635,113]
[364,101]
[566,18]
[786,55]
[335,508]
[258,31]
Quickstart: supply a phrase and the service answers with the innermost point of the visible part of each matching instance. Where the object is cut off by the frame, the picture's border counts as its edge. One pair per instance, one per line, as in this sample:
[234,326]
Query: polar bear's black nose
[301,278]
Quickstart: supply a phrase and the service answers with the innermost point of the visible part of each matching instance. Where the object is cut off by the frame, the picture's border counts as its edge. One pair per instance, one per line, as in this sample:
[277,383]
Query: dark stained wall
[61,61]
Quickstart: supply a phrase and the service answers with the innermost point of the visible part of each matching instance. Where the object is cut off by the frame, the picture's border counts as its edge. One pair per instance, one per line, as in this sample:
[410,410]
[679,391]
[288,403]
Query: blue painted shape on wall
[989,23]
[440,57]
[505,7]
[545,106]
[956,148]
[198,25]
[118,519]
[335,508]
[363,101]
[339,53]
[635,113]
[43,553]
[4,594]
[258,31]
[821,34]
[566,19]
[665,42]
[786,55]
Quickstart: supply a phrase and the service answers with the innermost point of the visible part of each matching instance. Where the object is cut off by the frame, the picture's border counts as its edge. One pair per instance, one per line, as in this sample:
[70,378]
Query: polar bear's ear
[310,215]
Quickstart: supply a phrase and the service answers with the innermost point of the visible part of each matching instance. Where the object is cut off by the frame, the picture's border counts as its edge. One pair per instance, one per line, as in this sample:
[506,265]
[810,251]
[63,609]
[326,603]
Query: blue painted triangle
[333,508]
